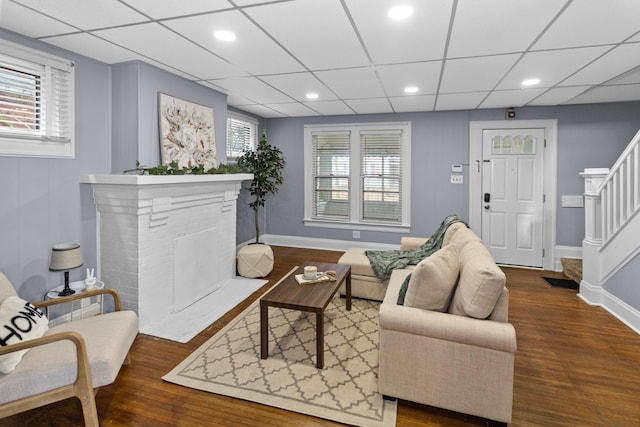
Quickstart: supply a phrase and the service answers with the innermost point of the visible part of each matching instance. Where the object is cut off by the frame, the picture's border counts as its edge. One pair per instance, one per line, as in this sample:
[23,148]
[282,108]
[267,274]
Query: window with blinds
[358,175]
[242,134]
[331,174]
[36,103]
[381,176]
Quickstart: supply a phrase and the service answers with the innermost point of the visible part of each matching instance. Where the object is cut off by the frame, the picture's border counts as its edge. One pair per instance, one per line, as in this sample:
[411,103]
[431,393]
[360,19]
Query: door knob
[487,206]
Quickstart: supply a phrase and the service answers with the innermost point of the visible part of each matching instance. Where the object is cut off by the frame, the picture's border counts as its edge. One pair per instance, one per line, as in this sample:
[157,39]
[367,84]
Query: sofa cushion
[19,321]
[480,283]
[451,231]
[433,281]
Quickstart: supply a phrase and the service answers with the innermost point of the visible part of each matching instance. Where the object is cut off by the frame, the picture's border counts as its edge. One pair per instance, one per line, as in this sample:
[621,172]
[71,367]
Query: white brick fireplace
[166,243]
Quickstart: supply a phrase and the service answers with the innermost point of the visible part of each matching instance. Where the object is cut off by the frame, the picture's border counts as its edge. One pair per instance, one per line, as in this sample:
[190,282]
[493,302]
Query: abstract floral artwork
[187,134]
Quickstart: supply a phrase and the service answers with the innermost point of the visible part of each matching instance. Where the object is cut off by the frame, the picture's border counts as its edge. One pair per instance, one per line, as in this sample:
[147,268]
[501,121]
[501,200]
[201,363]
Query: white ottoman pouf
[255,260]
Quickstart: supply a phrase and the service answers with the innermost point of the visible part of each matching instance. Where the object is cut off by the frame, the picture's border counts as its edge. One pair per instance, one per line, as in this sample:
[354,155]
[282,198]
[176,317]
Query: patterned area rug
[346,390]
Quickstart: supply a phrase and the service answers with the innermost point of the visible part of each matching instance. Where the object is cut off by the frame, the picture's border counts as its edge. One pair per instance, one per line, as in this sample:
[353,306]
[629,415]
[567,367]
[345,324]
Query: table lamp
[64,257]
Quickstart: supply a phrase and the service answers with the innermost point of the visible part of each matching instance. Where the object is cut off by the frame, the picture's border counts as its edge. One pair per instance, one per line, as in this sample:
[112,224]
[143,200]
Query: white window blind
[36,103]
[381,175]
[241,135]
[331,172]
[357,176]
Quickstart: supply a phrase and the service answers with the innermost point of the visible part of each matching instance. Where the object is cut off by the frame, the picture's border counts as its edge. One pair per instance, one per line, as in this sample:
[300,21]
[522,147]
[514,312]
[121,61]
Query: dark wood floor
[576,366]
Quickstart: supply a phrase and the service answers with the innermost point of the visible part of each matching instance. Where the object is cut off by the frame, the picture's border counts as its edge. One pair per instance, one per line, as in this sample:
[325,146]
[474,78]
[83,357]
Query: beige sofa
[460,358]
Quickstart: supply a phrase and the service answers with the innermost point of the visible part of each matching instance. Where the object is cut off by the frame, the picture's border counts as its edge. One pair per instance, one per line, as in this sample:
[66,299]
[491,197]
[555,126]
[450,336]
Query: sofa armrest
[445,326]
[82,295]
[411,242]
[449,327]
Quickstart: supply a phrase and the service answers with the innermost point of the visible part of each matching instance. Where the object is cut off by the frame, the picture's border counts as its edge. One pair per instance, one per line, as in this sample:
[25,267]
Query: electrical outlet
[356,234]
[456,179]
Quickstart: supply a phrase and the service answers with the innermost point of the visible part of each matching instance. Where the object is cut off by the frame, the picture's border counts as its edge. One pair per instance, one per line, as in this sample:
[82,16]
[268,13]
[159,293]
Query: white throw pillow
[19,321]
[433,281]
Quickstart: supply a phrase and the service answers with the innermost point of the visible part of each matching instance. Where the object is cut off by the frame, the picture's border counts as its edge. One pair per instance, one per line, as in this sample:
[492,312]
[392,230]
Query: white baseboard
[566,252]
[622,311]
[318,243]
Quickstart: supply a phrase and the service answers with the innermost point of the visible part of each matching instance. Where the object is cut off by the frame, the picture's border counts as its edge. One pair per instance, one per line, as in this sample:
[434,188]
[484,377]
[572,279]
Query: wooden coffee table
[313,298]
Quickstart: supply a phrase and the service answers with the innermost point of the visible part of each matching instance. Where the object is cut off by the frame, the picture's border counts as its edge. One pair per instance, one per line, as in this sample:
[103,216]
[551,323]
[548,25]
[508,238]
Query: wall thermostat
[456,168]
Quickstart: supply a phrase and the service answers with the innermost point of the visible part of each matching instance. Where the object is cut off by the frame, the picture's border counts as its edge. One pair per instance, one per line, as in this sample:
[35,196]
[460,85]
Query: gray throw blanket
[384,262]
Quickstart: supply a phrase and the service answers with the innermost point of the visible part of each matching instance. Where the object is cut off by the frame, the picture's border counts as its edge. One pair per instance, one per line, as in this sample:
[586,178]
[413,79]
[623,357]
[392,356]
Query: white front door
[512,195]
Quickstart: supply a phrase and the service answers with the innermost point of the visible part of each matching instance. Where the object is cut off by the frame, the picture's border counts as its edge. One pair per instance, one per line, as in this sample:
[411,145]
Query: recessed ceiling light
[224,35]
[312,95]
[530,82]
[400,12]
[410,89]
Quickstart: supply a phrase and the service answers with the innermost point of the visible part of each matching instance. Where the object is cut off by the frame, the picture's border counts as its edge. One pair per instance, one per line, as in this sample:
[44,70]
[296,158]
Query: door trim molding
[549,186]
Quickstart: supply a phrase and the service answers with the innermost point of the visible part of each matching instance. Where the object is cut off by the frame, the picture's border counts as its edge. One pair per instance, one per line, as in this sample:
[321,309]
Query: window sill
[400,228]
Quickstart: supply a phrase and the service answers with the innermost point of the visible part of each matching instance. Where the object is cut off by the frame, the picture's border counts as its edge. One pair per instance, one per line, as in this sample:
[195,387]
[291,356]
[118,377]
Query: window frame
[251,121]
[45,143]
[355,130]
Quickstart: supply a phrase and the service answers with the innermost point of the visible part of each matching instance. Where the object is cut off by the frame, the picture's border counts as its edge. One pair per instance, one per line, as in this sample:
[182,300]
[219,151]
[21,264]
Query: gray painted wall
[135,112]
[42,201]
[588,136]
[625,284]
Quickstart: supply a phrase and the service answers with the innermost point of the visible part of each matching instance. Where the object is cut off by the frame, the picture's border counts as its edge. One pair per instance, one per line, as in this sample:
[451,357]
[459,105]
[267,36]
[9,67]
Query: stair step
[572,268]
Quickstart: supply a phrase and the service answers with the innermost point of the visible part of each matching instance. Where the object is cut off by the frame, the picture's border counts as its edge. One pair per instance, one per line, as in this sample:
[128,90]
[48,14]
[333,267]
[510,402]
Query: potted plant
[266,164]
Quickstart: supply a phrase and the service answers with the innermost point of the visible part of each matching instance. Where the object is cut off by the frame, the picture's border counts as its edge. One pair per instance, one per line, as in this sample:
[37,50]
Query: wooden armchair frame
[82,388]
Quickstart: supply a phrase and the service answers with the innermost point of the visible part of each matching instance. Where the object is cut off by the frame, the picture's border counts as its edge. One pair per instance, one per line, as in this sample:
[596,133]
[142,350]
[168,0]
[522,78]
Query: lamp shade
[65,256]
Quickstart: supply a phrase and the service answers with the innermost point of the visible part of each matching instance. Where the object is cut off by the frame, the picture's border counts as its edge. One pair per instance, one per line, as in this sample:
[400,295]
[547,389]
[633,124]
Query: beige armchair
[70,359]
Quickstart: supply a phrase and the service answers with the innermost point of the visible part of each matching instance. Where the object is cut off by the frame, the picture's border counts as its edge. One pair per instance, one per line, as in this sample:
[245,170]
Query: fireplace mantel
[166,241]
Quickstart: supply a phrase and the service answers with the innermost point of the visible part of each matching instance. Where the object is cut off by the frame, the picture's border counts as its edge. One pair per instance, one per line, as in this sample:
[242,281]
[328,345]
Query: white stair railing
[612,220]
[620,192]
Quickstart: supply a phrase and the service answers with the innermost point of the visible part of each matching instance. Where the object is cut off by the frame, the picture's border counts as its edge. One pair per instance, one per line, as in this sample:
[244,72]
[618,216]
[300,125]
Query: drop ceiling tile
[87,14]
[25,21]
[298,85]
[558,95]
[171,8]
[592,22]
[292,109]
[631,77]
[475,74]
[252,51]
[412,103]
[459,101]
[423,75]
[498,26]
[317,32]
[329,108]
[262,111]
[510,98]
[352,83]
[253,89]
[616,62]
[370,106]
[162,45]
[94,47]
[564,62]
[608,94]
[389,41]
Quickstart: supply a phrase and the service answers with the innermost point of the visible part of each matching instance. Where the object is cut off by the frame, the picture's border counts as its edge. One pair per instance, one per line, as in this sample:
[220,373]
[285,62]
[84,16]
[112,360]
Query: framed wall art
[187,133]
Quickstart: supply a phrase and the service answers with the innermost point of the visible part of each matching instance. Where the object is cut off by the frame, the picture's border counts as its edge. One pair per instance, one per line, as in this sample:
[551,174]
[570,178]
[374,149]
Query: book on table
[320,278]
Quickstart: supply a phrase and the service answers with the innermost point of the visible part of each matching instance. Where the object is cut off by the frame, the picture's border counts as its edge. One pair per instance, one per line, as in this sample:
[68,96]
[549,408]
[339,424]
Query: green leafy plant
[173,169]
[266,163]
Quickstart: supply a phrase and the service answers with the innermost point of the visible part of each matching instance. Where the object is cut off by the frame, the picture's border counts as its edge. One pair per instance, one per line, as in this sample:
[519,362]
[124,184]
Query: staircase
[612,224]
[572,268]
